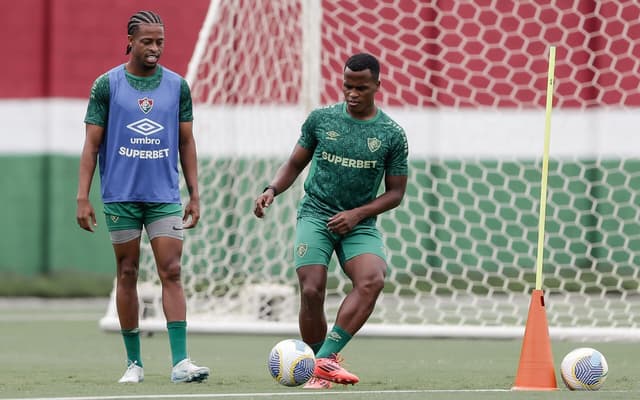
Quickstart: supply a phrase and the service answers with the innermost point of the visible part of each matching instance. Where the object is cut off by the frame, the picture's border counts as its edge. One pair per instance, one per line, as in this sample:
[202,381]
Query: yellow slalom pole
[545,167]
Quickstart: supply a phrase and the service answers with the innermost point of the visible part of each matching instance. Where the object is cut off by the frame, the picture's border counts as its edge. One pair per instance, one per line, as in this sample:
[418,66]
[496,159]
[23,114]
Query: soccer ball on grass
[291,362]
[584,369]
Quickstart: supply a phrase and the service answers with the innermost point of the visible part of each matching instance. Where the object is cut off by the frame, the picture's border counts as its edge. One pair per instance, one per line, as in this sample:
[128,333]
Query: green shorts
[135,215]
[315,244]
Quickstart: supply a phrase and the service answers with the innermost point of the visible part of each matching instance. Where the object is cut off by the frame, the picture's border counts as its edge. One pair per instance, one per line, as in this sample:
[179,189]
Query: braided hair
[141,17]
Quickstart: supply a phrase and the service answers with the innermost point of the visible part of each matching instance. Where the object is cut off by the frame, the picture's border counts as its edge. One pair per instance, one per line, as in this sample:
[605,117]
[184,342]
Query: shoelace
[337,358]
[131,365]
[131,370]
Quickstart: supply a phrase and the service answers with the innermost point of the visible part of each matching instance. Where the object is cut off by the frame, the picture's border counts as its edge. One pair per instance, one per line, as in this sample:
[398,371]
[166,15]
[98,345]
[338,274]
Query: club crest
[301,250]
[145,104]
[373,143]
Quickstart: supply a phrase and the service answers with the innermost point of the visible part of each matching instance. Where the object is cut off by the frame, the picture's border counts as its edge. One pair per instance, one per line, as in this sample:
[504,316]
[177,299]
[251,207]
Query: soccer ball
[584,369]
[291,362]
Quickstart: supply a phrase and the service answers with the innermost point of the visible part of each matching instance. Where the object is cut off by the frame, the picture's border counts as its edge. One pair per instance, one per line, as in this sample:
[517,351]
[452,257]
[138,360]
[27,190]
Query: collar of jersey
[360,121]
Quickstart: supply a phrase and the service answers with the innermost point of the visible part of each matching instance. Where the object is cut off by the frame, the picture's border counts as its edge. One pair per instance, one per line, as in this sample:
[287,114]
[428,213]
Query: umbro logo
[332,135]
[145,127]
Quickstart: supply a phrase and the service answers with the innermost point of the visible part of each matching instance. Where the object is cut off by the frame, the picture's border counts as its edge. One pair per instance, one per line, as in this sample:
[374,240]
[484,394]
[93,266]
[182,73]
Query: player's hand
[85,215]
[263,202]
[191,214]
[343,222]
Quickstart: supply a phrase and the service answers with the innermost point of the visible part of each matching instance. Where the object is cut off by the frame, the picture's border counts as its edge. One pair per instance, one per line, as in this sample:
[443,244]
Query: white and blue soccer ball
[584,369]
[291,362]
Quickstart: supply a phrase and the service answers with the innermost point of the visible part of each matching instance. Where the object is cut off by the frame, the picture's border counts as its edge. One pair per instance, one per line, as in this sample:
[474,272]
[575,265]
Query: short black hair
[141,17]
[362,61]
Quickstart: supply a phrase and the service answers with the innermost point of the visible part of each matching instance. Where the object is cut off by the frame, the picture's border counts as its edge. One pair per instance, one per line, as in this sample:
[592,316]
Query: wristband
[275,191]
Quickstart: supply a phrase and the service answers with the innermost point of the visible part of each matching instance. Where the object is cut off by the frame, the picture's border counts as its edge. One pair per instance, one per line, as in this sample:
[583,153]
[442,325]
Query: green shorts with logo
[315,244]
[135,215]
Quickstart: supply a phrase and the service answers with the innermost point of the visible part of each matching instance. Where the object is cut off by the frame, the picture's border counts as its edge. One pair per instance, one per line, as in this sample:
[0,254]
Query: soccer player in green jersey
[352,147]
[138,127]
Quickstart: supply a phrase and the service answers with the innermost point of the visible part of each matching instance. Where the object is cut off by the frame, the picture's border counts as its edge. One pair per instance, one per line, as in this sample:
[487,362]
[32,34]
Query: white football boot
[133,374]
[187,371]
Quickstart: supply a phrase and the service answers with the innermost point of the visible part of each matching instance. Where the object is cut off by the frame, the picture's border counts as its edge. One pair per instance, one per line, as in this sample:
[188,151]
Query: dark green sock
[316,347]
[132,345]
[177,340]
[335,341]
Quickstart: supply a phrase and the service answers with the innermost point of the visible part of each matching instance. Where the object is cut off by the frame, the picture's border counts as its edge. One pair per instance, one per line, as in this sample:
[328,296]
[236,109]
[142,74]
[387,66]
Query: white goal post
[467,82]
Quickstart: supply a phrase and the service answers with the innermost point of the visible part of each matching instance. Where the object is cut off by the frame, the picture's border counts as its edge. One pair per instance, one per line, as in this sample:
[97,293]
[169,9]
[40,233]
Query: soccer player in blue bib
[353,147]
[138,127]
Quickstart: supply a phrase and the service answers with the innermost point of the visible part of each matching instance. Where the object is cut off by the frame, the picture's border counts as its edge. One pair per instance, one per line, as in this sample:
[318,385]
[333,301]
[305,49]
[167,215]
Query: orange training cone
[535,371]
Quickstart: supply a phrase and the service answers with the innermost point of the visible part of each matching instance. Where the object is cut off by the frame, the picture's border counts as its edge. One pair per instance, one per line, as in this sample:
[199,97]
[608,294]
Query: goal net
[467,81]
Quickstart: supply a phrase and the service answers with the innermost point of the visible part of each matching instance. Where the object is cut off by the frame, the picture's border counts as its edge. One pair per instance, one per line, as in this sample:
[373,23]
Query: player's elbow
[394,200]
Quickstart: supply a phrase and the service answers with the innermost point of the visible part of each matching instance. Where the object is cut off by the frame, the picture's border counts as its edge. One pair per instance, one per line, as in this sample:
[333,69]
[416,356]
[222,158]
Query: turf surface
[56,350]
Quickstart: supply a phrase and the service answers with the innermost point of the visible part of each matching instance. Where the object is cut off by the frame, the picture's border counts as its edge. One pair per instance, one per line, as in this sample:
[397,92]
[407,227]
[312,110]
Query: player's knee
[127,270]
[372,285]
[312,293]
[170,272]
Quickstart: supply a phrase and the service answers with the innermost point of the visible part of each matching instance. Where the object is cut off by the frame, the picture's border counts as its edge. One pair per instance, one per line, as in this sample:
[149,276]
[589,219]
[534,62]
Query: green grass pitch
[60,353]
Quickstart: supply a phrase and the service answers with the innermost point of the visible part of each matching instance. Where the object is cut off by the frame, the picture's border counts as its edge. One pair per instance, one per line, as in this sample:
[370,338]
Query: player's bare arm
[189,163]
[344,221]
[85,214]
[284,178]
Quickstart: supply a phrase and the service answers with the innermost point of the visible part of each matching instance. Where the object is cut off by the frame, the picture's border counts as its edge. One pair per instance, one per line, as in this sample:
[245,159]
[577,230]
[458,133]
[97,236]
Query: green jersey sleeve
[397,161]
[308,138]
[98,107]
[186,103]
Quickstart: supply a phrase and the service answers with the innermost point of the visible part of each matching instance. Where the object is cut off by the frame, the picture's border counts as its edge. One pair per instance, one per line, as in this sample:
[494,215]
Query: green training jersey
[98,108]
[350,159]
